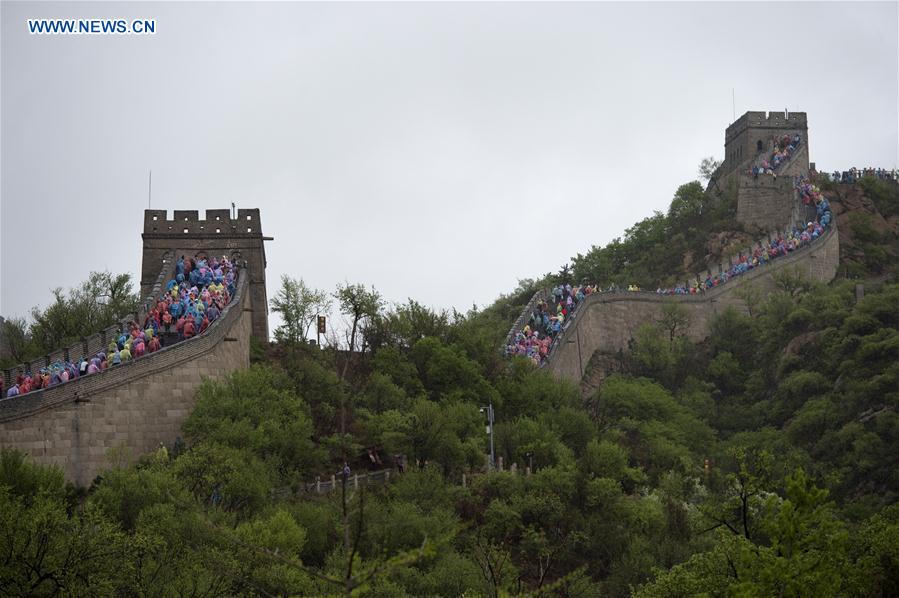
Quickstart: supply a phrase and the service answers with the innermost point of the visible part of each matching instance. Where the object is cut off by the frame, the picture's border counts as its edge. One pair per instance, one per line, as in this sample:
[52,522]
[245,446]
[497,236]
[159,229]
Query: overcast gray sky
[436,151]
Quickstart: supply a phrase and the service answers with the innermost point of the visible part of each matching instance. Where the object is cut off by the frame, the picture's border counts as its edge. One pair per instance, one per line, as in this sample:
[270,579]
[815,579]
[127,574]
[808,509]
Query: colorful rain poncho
[203,301]
[784,147]
[546,322]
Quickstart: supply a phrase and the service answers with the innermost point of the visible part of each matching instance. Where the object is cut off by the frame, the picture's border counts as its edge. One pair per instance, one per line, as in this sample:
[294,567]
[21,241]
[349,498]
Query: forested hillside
[761,462]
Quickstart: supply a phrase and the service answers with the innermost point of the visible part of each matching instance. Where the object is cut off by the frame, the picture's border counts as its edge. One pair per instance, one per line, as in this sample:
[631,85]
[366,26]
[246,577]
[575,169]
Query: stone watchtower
[219,234]
[767,202]
[750,139]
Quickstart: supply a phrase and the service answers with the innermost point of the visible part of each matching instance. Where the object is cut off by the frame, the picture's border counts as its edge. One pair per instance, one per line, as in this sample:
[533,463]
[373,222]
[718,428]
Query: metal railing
[319,486]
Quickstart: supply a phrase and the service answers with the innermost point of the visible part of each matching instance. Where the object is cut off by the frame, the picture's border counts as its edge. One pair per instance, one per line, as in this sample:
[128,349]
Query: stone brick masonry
[765,202]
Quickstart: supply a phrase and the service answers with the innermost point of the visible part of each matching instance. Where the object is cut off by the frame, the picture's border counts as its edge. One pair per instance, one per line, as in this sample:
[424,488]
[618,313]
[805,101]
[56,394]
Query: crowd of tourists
[549,316]
[811,196]
[784,147]
[776,247]
[193,300]
[852,175]
[546,321]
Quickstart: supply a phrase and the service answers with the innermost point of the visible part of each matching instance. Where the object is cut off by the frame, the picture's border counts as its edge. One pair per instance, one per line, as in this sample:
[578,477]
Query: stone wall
[766,202]
[135,406]
[607,321]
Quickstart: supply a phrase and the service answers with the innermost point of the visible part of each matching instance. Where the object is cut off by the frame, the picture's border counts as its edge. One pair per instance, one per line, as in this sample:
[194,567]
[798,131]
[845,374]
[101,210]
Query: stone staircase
[525,316]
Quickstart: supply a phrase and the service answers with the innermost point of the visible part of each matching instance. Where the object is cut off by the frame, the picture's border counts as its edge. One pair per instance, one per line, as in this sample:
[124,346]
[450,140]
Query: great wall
[142,404]
[605,322]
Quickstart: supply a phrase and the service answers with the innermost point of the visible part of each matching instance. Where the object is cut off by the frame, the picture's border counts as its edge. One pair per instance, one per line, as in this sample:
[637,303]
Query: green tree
[26,480]
[707,168]
[257,409]
[361,305]
[687,206]
[801,551]
[226,477]
[406,324]
[100,301]
[14,333]
[447,372]
[299,306]
[662,434]
[806,553]
[885,195]
[176,552]
[674,320]
[875,552]
[658,353]
[734,333]
[742,495]
[125,492]
[48,544]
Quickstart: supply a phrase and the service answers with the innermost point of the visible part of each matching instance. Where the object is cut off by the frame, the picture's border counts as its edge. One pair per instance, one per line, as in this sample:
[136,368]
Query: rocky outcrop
[868,239]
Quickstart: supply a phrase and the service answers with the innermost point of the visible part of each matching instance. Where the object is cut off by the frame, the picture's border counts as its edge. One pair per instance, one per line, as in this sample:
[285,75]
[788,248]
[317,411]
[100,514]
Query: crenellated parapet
[217,223]
[777,121]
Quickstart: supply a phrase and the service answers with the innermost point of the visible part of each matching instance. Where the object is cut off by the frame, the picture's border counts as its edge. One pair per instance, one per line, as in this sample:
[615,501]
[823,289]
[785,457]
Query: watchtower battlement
[766,120]
[221,232]
[187,223]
